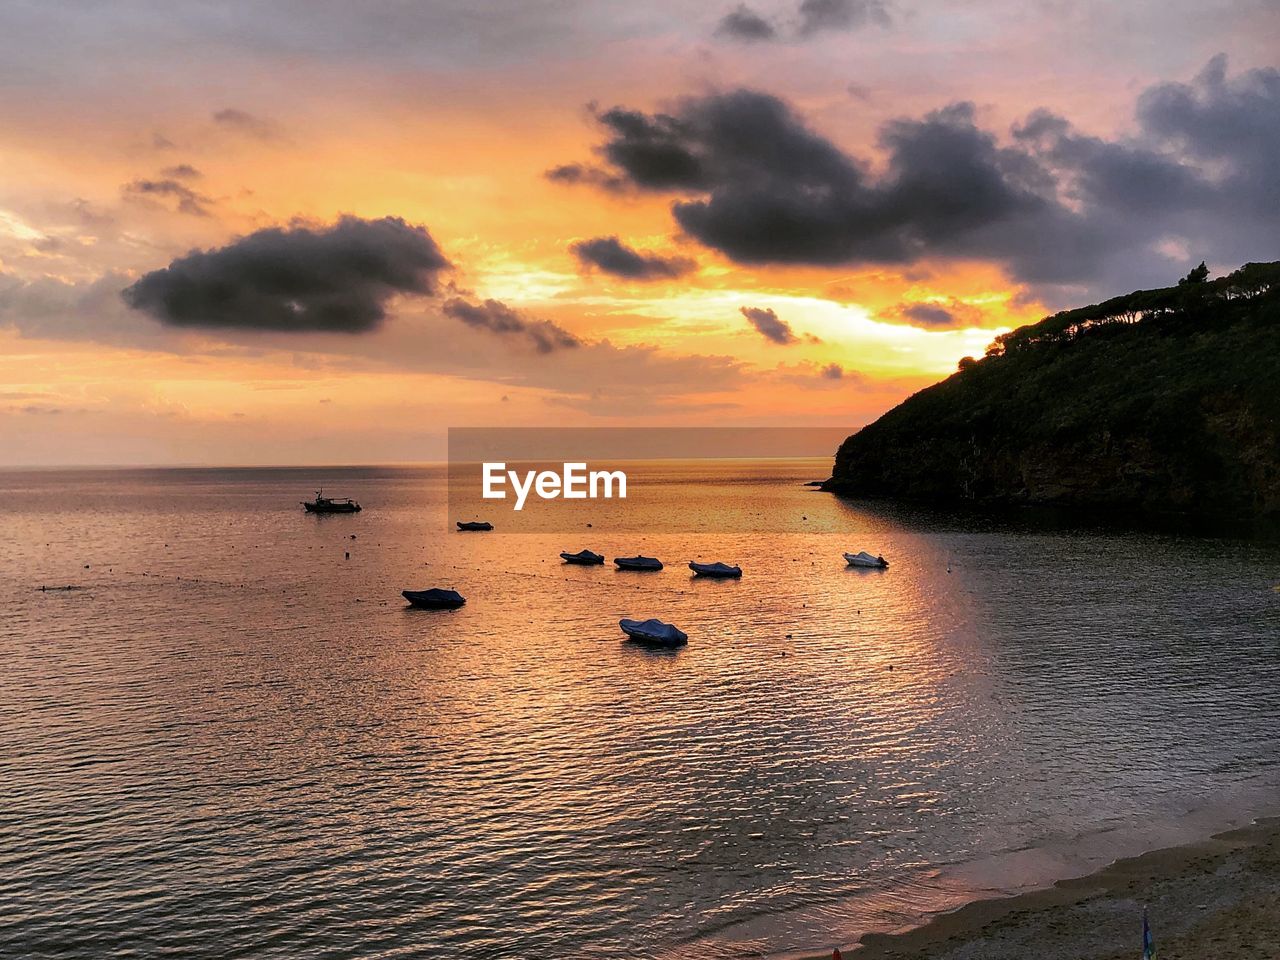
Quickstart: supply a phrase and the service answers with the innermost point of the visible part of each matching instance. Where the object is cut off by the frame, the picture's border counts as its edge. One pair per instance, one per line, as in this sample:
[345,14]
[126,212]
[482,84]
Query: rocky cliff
[1160,401]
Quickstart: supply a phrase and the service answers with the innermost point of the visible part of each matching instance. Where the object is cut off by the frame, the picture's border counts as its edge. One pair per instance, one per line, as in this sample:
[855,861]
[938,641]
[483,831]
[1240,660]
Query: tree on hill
[1199,275]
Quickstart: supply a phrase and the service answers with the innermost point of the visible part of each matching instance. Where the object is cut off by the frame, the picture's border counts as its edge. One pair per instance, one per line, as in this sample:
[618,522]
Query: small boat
[638,563]
[434,599]
[323,504]
[474,525]
[714,570]
[583,558]
[864,559]
[654,632]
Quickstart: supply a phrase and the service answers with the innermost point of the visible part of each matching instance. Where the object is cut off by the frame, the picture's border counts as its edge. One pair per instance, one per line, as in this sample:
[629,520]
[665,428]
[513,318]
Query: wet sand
[1219,899]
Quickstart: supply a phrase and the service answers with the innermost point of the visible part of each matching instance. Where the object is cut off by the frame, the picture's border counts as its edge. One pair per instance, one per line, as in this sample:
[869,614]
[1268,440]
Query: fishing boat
[864,559]
[583,558]
[722,570]
[434,599]
[323,504]
[637,563]
[655,633]
[474,525]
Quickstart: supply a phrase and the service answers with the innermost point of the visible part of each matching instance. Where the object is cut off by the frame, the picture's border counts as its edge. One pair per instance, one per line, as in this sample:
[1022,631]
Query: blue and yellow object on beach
[1148,941]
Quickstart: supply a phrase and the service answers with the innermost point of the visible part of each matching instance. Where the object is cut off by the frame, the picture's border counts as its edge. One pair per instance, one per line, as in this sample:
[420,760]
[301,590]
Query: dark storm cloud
[648,152]
[611,255]
[819,15]
[1053,206]
[770,326]
[496,317]
[709,143]
[655,152]
[1219,118]
[783,194]
[743,23]
[187,200]
[337,278]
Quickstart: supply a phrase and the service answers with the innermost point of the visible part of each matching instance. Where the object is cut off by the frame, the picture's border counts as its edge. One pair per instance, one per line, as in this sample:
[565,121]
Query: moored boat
[434,599]
[864,559]
[638,563]
[654,632]
[722,570]
[474,525]
[583,558]
[323,504]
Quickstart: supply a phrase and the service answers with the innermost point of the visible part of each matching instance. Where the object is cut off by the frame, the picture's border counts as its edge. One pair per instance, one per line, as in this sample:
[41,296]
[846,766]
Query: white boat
[864,559]
[583,557]
[714,569]
[474,525]
[638,563]
[654,632]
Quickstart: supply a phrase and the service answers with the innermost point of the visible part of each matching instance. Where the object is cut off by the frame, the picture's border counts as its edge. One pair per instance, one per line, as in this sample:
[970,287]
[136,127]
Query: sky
[323,232]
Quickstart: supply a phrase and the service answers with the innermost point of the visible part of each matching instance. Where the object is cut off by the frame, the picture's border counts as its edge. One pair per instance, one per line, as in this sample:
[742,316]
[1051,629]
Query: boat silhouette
[323,504]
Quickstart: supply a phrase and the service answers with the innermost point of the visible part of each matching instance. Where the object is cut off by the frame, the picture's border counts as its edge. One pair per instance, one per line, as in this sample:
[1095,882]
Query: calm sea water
[233,740]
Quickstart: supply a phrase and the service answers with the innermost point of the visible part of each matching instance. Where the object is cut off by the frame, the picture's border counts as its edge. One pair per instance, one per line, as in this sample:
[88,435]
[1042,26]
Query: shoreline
[1218,897]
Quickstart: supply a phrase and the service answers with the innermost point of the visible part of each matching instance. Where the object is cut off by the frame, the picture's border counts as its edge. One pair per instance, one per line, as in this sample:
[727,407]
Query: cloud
[817,16]
[813,17]
[496,317]
[598,377]
[181,171]
[581,173]
[808,375]
[794,197]
[769,326]
[936,314]
[649,152]
[243,122]
[423,339]
[188,201]
[46,308]
[303,278]
[929,315]
[630,402]
[611,255]
[743,23]
[1055,208]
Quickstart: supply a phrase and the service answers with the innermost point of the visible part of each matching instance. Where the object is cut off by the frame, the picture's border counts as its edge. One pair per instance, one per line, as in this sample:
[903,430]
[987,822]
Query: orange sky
[451,123]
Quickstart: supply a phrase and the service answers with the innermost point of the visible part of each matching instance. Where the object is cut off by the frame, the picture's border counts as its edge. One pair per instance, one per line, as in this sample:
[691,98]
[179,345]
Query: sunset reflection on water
[237,739]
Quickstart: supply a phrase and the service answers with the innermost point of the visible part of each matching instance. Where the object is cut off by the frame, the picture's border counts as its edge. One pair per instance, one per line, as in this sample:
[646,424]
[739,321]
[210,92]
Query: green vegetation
[1160,401]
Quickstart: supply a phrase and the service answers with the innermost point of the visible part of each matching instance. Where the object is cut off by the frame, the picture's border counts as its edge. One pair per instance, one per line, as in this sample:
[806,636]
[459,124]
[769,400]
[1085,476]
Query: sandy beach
[1217,899]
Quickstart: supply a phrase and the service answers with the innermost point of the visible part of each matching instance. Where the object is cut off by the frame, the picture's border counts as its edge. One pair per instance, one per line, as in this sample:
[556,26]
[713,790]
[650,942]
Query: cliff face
[1161,401]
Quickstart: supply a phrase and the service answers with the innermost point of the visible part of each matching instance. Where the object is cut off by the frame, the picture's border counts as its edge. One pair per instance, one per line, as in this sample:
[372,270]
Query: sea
[223,733]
